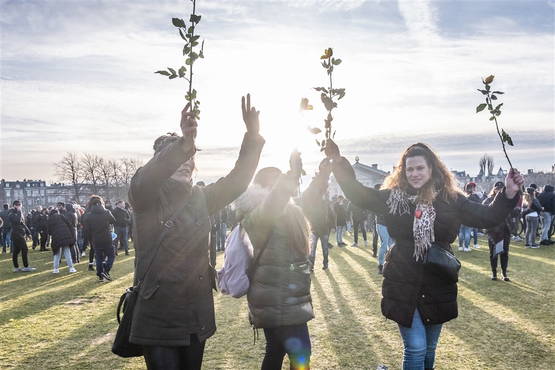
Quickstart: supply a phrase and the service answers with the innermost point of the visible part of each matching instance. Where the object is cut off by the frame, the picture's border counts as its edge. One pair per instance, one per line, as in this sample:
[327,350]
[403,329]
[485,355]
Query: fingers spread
[248,102]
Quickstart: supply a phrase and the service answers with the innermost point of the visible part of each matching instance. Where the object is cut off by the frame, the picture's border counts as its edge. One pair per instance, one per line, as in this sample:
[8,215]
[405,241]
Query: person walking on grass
[499,238]
[340,220]
[6,229]
[98,224]
[358,217]
[18,232]
[123,219]
[423,209]
[315,205]
[174,311]
[61,231]
[531,212]
[547,201]
[279,293]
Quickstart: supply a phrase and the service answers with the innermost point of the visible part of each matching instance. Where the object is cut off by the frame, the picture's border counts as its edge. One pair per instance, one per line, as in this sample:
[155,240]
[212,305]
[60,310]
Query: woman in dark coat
[421,206]
[279,293]
[62,237]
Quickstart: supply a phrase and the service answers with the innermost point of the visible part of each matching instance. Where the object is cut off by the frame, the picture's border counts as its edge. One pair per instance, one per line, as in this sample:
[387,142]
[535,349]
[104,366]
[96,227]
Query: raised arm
[227,189]
[362,196]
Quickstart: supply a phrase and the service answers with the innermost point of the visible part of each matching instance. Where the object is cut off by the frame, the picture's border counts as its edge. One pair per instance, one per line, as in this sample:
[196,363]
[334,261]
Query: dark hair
[267,177]
[16,203]
[95,200]
[6,206]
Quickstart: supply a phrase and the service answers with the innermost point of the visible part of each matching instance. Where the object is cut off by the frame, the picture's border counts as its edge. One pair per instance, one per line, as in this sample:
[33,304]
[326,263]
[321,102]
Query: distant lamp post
[357,159]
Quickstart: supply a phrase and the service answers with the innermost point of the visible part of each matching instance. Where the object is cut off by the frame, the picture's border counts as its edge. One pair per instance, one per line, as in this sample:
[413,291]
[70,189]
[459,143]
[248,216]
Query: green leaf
[165,73]
[336,62]
[506,138]
[195,38]
[171,70]
[186,49]
[492,118]
[493,97]
[195,18]
[190,30]
[318,143]
[182,35]
[480,107]
[321,89]
[182,71]
[189,61]
[489,79]
[487,87]
[194,43]
[172,77]
[499,106]
[485,92]
[178,22]
[498,92]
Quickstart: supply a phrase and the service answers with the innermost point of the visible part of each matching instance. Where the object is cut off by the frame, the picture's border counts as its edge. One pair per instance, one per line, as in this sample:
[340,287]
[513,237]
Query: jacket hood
[98,209]
[548,189]
[249,200]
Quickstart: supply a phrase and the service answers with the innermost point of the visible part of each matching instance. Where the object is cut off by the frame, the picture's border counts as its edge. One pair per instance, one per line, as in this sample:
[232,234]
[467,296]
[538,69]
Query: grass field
[68,320]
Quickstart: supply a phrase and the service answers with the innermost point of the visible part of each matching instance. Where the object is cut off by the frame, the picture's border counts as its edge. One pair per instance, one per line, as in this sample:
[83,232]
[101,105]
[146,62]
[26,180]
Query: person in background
[4,230]
[531,212]
[385,239]
[340,220]
[315,204]
[359,216]
[63,237]
[121,227]
[499,234]
[18,232]
[98,226]
[547,201]
[43,229]
[35,217]
[73,218]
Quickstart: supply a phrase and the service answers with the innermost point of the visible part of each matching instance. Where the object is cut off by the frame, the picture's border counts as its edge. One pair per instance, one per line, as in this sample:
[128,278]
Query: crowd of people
[179,226]
[68,230]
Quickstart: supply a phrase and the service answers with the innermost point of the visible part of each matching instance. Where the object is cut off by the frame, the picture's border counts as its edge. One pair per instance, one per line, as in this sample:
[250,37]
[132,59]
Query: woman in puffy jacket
[422,209]
[279,294]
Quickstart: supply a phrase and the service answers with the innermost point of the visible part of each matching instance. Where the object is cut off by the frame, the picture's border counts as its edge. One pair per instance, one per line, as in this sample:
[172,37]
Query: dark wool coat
[279,291]
[122,216]
[61,231]
[316,206]
[17,223]
[175,299]
[97,223]
[407,284]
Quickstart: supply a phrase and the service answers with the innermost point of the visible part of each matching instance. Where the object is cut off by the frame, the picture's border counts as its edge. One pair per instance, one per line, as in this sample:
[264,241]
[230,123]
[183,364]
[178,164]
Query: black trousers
[293,340]
[175,358]
[356,226]
[19,245]
[43,239]
[503,256]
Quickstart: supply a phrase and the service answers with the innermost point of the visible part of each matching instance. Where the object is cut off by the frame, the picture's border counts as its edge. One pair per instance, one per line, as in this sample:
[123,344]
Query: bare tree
[115,175]
[91,170]
[483,163]
[128,169]
[490,165]
[69,168]
[104,171]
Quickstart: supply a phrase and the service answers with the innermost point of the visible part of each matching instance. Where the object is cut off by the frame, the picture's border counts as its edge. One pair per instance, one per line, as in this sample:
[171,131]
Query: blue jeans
[385,240]
[339,230]
[464,236]
[104,259]
[420,343]
[314,244]
[474,232]
[123,236]
[221,236]
[547,218]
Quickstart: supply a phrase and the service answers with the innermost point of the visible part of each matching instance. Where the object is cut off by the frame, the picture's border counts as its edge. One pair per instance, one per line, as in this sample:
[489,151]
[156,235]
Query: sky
[78,76]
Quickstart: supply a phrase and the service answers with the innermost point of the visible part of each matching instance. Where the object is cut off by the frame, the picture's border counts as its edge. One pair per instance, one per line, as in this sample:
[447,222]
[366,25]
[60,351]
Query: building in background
[366,175]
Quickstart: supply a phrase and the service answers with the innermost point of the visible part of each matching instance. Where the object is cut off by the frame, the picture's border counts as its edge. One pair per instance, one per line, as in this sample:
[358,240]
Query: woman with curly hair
[423,209]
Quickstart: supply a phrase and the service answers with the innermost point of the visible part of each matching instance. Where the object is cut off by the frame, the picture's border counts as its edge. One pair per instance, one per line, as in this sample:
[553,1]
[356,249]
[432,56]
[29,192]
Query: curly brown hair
[442,182]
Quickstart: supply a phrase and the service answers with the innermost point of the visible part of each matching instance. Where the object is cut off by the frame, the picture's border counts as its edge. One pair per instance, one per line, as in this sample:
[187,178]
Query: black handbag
[442,263]
[124,312]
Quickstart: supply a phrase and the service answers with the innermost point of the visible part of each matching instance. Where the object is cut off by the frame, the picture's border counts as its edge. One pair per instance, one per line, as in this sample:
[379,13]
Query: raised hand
[513,183]
[188,123]
[250,115]
[296,164]
[331,150]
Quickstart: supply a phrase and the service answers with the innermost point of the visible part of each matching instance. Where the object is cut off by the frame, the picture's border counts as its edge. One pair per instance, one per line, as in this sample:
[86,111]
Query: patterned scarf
[424,216]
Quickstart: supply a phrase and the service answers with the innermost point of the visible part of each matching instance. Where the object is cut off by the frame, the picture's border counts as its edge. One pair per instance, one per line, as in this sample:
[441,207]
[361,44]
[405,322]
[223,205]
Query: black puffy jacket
[61,231]
[97,223]
[547,199]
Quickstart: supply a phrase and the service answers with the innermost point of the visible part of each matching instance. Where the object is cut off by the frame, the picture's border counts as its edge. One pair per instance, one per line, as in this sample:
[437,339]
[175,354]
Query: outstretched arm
[227,189]
[362,196]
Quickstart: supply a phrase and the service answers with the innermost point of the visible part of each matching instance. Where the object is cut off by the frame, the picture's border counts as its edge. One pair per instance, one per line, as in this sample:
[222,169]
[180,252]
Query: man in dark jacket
[315,205]
[97,223]
[5,229]
[18,232]
[174,313]
[359,216]
[547,200]
[123,219]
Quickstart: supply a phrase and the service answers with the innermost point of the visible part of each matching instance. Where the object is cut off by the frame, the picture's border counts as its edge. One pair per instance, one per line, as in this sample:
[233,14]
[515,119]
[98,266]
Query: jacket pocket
[148,292]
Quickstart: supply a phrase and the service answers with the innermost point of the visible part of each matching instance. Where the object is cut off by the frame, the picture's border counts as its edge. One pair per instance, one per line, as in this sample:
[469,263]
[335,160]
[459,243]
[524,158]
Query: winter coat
[122,216]
[97,223]
[340,214]
[61,231]
[279,291]
[407,284]
[534,207]
[175,299]
[4,216]
[315,205]
[501,231]
[547,199]
[17,223]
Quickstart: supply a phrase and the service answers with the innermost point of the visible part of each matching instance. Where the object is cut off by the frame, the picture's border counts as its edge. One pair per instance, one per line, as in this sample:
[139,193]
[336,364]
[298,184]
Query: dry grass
[67,321]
